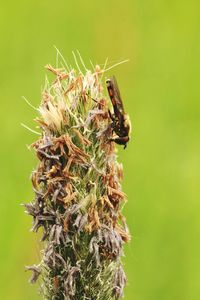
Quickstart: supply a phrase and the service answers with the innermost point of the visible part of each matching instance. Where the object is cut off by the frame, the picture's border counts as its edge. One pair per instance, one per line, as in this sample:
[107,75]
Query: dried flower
[78,194]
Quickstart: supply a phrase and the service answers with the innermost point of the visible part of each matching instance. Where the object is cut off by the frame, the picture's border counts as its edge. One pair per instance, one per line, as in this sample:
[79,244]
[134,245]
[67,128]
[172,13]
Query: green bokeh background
[161,91]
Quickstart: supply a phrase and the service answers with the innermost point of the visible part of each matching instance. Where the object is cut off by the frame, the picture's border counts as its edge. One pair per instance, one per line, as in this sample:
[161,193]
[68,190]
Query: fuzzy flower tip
[78,196]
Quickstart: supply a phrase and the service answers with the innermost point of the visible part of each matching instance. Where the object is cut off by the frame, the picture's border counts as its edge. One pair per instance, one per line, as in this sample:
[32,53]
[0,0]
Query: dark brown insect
[120,120]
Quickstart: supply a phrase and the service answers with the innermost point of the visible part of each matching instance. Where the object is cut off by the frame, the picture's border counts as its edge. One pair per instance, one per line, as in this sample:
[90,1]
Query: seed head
[77,186]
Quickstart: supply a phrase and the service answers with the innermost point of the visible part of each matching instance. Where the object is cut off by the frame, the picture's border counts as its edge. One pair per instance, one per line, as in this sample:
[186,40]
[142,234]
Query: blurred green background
[161,91]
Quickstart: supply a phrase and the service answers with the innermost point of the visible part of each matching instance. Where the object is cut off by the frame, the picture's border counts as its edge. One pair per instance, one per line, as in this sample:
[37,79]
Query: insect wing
[119,108]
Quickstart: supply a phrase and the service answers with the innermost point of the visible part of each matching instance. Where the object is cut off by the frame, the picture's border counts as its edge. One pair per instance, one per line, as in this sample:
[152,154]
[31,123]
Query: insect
[120,120]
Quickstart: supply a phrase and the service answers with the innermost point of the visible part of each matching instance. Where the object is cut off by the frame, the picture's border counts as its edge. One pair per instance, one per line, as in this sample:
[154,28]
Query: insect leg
[91,98]
[111,116]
